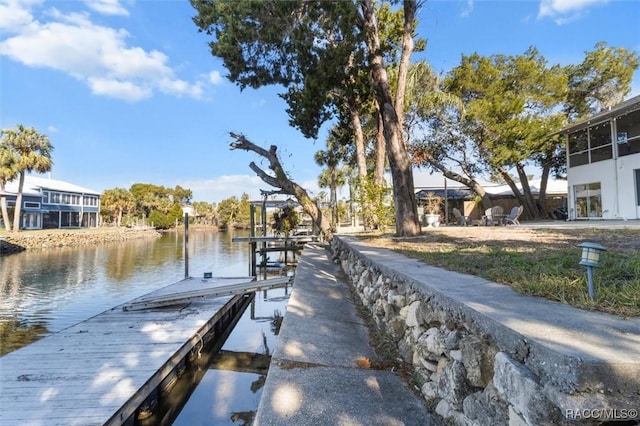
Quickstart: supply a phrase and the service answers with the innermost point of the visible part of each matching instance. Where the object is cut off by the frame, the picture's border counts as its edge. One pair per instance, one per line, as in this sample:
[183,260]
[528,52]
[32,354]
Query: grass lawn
[542,263]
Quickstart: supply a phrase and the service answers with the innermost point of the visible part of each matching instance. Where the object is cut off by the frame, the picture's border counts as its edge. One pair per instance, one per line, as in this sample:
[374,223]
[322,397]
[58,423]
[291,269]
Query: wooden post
[186,245]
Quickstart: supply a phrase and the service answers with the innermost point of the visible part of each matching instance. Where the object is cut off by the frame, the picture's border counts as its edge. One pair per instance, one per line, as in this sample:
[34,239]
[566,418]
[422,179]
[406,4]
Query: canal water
[45,292]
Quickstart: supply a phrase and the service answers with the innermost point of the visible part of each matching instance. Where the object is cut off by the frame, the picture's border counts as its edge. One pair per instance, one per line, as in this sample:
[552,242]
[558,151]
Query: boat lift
[207,292]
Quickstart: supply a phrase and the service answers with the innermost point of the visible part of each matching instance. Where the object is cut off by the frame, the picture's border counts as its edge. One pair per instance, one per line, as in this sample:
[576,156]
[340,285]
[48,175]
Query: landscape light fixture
[591,253]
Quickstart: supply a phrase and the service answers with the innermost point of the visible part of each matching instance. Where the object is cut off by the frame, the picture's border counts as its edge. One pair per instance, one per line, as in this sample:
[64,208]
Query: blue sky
[128,92]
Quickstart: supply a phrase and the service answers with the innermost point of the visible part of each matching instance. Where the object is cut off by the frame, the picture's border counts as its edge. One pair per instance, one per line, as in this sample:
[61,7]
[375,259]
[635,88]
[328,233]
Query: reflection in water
[59,287]
[14,335]
[230,391]
[42,292]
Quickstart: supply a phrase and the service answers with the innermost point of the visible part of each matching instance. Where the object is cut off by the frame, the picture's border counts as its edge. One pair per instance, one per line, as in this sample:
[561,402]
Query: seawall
[42,240]
[488,355]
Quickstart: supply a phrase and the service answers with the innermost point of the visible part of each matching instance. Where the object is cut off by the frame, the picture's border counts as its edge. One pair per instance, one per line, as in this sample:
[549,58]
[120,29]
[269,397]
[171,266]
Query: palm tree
[8,172]
[332,176]
[117,201]
[32,152]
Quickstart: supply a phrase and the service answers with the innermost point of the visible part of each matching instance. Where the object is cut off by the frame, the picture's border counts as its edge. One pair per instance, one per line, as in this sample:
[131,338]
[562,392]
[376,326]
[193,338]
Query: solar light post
[591,257]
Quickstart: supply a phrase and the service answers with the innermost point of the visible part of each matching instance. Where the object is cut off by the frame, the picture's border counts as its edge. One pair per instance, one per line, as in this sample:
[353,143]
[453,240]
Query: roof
[33,185]
[425,179]
[622,108]
[554,187]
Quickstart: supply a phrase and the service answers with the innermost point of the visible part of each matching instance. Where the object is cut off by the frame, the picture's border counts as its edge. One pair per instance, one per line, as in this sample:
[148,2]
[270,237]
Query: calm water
[45,292]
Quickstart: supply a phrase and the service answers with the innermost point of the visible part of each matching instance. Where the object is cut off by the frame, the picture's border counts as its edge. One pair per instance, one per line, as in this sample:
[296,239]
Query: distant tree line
[161,207]
[144,203]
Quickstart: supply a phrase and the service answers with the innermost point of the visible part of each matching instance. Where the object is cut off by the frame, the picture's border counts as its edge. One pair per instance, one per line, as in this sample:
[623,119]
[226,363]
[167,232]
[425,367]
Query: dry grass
[536,262]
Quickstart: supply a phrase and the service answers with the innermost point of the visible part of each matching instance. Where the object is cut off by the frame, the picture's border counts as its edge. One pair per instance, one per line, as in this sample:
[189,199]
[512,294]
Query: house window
[90,200]
[628,133]
[54,198]
[45,197]
[590,145]
[31,205]
[588,200]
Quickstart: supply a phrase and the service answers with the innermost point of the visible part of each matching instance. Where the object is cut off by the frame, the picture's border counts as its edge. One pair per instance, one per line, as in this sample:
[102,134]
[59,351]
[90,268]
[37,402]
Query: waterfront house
[603,164]
[50,203]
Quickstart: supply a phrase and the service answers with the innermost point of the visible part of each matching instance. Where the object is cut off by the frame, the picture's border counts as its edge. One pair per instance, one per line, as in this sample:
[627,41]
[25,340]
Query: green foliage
[228,211]
[379,198]
[126,207]
[600,81]
[181,195]
[206,213]
[160,220]
[285,220]
[114,203]
[243,219]
[176,215]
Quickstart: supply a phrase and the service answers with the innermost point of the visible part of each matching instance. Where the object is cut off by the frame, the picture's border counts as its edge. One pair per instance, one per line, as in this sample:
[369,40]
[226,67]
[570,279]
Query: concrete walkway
[314,377]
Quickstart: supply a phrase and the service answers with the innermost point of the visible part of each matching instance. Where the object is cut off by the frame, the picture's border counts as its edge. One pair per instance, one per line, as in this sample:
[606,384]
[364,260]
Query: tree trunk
[281,181]
[544,180]
[361,159]
[407,223]
[5,211]
[381,152]
[410,8]
[16,212]
[526,189]
[530,211]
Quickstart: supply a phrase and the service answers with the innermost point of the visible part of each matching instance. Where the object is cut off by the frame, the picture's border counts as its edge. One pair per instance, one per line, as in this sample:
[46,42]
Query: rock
[486,407]
[521,388]
[452,385]
[443,409]
[19,241]
[429,390]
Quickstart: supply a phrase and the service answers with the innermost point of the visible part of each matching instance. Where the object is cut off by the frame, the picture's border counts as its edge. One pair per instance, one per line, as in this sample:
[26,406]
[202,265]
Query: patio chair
[514,215]
[462,221]
[493,215]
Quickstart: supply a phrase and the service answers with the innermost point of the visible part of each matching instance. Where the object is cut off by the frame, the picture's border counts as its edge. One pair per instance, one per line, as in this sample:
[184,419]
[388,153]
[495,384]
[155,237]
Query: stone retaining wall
[478,371]
[42,240]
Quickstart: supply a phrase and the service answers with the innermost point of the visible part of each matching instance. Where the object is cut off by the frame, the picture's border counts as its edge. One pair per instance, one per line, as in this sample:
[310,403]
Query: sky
[128,92]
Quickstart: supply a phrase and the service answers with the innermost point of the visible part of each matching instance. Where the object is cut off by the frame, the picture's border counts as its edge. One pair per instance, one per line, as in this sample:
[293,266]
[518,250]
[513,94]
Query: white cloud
[468,9]
[564,11]
[107,7]
[97,55]
[16,14]
[125,90]
[215,78]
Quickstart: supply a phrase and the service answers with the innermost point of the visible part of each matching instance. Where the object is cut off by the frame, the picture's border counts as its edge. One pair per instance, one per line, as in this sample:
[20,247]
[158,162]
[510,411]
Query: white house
[49,203]
[603,164]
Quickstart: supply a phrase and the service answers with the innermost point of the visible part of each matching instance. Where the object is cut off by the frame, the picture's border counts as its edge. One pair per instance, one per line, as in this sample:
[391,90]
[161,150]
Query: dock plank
[86,373]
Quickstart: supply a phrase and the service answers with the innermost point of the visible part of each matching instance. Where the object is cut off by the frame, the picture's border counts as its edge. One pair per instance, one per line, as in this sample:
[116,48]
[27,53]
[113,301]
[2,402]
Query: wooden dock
[102,370]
